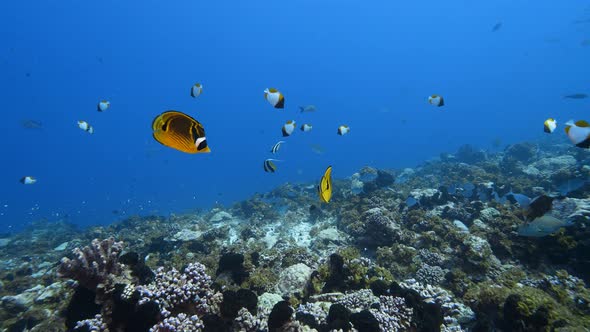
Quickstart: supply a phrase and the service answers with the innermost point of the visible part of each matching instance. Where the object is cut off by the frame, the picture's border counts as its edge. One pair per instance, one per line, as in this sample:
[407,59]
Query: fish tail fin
[301,108]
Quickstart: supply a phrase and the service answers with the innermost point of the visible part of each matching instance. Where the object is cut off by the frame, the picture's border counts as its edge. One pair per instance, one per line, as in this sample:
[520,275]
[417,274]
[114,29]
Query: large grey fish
[576,96]
[308,108]
[542,226]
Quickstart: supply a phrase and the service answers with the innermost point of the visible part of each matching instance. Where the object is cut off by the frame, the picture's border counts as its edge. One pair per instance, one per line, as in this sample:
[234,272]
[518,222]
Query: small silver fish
[308,108]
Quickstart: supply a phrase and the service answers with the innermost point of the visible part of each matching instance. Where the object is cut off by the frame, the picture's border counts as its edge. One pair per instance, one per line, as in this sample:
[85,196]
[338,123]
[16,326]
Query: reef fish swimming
[28,180]
[325,186]
[542,226]
[288,128]
[307,109]
[181,132]
[549,125]
[275,148]
[85,126]
[436,100]
[576,96]
[497,27]
[32,124]
[274,97]
[269,166]
[343,130]
[103,105]
[196,90]
[306,127]
[578,133]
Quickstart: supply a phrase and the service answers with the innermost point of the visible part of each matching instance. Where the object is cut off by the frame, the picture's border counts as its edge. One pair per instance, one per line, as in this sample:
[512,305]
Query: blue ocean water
[369,65]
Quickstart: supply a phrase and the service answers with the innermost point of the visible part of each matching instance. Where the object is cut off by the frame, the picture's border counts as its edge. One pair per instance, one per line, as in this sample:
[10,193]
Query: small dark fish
[585,42]
[27,74]
[497,27]
[576,96]
[115,212]
[32,124]
[586,20]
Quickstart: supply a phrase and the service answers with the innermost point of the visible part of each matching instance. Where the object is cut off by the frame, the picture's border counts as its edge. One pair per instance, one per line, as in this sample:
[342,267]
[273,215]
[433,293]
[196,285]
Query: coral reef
[429,248]
[172,289]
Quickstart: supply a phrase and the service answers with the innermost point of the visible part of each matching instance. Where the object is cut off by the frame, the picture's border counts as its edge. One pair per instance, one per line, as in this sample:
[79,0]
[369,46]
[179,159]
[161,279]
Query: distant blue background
[367,64]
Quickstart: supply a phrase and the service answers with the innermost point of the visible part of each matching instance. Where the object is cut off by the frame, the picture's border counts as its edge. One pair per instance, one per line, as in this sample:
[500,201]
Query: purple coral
[358,300]
[431,275]
[247,322]
[94,264]
[95,324]
[393,314]
[380,229]
[172,289]
[180,323]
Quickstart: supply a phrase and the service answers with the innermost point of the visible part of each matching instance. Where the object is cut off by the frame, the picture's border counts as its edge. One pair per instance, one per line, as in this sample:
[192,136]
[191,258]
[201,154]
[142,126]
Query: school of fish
[182,132]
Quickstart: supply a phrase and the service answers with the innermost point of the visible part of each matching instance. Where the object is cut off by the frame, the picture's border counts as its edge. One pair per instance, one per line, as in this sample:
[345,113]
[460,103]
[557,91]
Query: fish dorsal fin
[582,123]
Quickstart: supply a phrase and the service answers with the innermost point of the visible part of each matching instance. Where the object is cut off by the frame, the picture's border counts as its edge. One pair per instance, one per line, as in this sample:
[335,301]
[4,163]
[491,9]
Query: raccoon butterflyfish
[274,97]
[579,133]
[436,100]
[103,105]
[196,90]
[549,125]
[180,131]
[325,186]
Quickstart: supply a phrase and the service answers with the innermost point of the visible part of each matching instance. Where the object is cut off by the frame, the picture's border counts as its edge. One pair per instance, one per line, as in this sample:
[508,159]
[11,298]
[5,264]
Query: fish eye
[202,145]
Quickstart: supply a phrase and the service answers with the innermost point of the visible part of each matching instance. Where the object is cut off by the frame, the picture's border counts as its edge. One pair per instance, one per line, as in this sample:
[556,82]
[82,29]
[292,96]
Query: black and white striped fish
[269,166]
[275,148]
